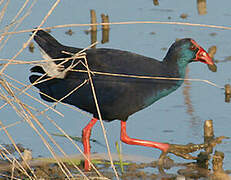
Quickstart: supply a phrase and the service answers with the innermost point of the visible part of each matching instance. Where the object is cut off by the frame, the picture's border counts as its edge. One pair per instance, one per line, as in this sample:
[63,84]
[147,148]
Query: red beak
[204,57]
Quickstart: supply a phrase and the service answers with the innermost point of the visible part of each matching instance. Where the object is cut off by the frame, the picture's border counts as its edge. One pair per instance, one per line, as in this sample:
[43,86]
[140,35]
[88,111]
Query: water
[167,120]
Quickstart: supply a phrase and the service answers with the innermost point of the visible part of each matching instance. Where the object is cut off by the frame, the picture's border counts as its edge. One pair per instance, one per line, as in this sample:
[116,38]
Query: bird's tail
[52,47]
[45,91]
[48,44]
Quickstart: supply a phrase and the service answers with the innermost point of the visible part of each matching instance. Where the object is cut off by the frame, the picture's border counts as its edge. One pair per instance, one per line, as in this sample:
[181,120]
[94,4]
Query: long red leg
[86,133]
[126,139]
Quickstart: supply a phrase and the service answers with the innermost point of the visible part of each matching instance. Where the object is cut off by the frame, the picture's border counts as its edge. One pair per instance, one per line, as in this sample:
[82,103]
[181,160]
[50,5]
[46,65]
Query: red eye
[193,47]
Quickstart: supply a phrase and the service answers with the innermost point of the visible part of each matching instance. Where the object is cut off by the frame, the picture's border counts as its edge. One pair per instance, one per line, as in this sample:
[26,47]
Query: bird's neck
[176,64]
[174,68]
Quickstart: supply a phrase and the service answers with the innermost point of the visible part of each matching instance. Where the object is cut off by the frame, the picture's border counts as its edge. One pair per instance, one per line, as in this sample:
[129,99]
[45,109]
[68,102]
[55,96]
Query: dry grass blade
[5,130]
[19,166]
[23,91]
[12,171]
[71,92]
[18,22]
[62,166]
[17,149]
[100,117]
[8,177]
[32,36]
[124,23]
[59,147]
[150,77]
[69,106]
[23,113]
[3,11]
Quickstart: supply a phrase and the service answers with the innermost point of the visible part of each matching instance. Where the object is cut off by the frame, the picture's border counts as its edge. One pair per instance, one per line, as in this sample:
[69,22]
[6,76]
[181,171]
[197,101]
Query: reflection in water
[156,2]
[218,171]
[212,51]
[105,36]
[93,27]
[186,92]
[201,7]
[93,38]
[105,19]
[93,30]
[208,135]
[93,20]
[69,32]
[227,93]
[105,28]
[31,47]
[189,106]
[183,15]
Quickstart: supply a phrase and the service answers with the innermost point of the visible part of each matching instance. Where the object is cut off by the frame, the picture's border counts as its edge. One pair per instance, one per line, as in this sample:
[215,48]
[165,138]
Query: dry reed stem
[64,155]
[60,149]
[67,105]
[23,107]
[64,152]
[71,92]
[18,22]
[17,149]
[8,177]
[100,117]
[59,129]
[12,124]
[17,122]
[12,171]
[123,23]
[54,142]
[19,167]
[7,133]
[120,75]
[59,162]
[1,156]
[1,3]
[109,74]
[3,11]
[151,77]
[23,92]
[32,36]
[32,62]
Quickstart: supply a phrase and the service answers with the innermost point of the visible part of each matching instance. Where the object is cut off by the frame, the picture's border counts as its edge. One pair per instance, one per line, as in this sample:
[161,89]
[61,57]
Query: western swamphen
[118,97]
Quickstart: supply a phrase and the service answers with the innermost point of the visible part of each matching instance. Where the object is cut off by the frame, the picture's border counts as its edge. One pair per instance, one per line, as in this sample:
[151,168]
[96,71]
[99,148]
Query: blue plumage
[118,97]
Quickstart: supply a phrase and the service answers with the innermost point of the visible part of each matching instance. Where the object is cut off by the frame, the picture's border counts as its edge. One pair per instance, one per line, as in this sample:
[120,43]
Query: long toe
[184,150]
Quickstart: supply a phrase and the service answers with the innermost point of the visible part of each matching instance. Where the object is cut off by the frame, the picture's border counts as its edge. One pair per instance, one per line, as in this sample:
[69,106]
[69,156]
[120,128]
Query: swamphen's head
[187,50]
